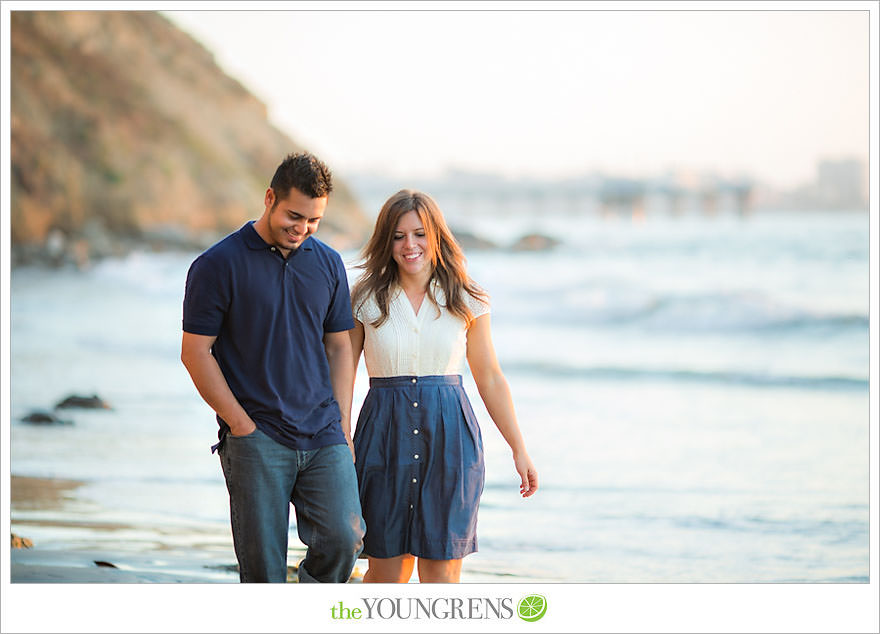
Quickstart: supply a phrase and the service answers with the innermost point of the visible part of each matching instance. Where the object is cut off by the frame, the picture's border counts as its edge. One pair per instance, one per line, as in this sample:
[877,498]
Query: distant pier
[607,197]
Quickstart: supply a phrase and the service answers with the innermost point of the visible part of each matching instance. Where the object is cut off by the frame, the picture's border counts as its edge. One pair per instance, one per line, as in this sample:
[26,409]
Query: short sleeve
[339,311]
[206,297]
[478,307]
[366,311]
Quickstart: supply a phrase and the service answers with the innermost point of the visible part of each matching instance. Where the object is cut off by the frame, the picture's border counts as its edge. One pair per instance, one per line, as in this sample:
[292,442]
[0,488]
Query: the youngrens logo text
[529,608]
[441,608]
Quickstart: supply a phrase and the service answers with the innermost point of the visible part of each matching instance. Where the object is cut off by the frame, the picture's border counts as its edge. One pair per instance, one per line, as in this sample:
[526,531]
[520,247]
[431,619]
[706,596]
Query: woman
[419,453]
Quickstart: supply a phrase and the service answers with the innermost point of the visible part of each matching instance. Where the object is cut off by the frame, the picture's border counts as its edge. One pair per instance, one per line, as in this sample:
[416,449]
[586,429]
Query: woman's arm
[356,337]
[495,393]
[356,345]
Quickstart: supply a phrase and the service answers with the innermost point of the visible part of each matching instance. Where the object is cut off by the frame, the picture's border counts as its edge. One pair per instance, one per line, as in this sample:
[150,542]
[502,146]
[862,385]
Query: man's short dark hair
[304,172]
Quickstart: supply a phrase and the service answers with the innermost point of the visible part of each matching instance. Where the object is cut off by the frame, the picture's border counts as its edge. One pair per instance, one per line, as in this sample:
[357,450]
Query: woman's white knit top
[406,344]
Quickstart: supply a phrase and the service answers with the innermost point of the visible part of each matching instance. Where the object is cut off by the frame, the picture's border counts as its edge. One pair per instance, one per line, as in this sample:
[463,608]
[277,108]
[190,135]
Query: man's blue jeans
[263,477]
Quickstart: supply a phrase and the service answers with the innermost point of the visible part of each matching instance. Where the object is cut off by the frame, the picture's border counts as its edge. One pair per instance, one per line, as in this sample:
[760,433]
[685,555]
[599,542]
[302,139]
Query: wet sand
[76,541]
[41,493]
[32,565]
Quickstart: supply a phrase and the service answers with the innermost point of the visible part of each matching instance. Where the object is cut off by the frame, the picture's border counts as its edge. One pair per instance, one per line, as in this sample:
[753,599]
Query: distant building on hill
[842,183]
[839,184]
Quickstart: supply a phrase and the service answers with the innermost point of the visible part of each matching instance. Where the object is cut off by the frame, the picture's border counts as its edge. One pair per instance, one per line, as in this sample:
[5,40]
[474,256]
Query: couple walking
[272,339]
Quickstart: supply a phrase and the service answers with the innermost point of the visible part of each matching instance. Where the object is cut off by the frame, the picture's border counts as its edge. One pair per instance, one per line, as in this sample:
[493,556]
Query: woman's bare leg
[439,570]
[391,570]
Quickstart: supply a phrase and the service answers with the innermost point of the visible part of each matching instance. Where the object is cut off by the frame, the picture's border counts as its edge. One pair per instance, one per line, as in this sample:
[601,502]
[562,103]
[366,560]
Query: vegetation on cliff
[125,131]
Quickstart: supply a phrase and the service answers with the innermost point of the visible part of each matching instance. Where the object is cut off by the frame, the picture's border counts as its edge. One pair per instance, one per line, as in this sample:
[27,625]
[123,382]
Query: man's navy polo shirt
[269,316]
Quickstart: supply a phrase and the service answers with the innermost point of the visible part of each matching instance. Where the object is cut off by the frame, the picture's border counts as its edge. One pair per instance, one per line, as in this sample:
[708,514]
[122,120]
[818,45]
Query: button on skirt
[420,467]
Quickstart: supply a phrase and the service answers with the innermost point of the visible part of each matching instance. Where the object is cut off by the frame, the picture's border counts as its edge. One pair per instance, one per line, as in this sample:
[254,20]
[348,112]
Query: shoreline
[40,493]
[75,541]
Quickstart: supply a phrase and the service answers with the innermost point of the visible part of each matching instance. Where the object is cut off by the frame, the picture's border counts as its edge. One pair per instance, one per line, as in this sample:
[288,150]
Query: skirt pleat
[420,467]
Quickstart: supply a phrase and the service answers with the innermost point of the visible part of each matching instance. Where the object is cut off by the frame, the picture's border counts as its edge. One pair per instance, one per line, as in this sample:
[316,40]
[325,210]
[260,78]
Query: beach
[75,542]
[84,546]
[693,392]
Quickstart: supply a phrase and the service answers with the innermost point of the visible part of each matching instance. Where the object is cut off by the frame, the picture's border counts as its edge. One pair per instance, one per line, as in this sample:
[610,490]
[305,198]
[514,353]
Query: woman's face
[410,246]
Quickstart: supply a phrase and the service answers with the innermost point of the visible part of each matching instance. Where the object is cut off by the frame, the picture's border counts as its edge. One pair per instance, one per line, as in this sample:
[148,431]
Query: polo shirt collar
[253,240]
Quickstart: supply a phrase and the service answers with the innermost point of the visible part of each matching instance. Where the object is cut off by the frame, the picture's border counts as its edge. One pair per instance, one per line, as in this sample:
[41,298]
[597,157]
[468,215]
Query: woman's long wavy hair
[444,253]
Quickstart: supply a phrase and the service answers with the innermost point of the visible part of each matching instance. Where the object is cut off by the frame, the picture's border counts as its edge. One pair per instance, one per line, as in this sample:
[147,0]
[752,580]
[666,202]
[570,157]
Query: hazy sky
[556,92]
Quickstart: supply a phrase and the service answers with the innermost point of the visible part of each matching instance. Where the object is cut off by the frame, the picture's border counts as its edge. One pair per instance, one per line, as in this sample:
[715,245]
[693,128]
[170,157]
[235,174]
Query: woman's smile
[410,244]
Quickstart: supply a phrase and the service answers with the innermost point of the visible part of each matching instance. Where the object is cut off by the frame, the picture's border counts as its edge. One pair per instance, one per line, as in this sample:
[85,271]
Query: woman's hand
[527,473]
[350,446]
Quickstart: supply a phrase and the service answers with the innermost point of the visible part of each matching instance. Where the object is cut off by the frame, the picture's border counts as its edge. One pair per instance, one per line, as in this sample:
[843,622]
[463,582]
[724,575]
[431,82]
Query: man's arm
[211,384]
[337,346]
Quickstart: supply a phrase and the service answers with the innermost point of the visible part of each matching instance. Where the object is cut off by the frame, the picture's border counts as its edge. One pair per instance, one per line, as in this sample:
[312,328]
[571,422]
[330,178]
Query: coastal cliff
[125,133]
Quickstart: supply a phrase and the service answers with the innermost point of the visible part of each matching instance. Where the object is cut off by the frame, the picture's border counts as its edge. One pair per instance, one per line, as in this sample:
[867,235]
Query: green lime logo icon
[532,607]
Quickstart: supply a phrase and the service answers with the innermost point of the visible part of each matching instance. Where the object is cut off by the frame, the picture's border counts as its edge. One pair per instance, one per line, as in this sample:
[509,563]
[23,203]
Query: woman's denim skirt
[420,467]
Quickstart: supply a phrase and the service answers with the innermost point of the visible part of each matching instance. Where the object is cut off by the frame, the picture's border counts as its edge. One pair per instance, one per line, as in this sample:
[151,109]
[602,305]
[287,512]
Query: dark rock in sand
[535,242]
[83,402]
[42,417]
[472,242]
[105,564]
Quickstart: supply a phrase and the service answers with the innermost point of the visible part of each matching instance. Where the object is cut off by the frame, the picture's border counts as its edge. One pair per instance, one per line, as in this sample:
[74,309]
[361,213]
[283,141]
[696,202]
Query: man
[265,320]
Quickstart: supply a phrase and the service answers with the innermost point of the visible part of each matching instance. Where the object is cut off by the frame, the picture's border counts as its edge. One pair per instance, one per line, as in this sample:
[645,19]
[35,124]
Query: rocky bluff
[125,132]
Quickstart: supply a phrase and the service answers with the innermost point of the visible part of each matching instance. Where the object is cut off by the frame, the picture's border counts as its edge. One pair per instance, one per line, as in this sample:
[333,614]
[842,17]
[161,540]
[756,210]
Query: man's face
[293,219]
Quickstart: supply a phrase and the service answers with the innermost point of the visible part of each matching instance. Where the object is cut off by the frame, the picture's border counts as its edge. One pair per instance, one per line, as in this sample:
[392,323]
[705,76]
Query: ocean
[693,391]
